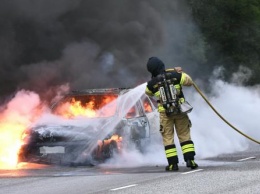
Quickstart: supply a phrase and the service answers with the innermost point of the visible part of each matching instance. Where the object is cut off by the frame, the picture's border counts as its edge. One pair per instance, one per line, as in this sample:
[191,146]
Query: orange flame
[147,107]
[13,121]
[102,143]
[10,139]
[104,107]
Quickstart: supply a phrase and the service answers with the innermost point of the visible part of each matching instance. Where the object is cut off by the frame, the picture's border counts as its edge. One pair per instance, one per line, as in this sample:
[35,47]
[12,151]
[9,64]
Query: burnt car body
[102,123]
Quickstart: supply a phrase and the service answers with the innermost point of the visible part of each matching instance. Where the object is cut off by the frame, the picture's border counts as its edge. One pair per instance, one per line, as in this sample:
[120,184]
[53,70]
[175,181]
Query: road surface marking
[192,171]
[249,158]
[123,187]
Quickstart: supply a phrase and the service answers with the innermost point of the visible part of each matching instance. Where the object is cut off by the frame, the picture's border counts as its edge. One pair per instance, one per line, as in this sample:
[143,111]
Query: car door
[151,113]
[136,120]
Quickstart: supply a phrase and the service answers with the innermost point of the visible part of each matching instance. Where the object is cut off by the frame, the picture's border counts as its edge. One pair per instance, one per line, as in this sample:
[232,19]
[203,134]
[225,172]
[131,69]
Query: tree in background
[232,34]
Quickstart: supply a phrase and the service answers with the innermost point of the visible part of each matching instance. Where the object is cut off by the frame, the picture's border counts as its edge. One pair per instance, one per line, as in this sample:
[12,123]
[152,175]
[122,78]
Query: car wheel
[27,153]
[111,150]
[142,144]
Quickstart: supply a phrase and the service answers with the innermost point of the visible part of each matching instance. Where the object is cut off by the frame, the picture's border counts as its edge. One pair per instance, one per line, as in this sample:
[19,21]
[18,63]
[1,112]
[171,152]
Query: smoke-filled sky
[90,44]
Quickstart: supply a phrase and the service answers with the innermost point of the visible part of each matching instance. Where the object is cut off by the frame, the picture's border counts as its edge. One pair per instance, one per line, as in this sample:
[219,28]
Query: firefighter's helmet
[155,66]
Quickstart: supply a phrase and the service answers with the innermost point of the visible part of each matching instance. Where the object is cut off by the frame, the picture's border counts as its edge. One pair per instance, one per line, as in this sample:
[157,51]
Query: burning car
[96,124]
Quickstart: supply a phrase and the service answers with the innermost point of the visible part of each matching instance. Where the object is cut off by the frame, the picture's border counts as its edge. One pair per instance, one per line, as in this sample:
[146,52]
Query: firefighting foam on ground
[25,109]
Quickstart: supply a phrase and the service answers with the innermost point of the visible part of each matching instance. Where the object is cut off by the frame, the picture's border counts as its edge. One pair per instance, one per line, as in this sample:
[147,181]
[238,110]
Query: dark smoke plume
[90,44]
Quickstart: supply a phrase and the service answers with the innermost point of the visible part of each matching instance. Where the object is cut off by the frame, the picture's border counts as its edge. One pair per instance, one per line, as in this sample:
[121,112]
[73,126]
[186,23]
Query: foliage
[232,33]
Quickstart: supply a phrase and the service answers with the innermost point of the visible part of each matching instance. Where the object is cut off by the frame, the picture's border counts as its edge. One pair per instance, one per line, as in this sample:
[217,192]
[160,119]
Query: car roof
[118,91]
[96,91]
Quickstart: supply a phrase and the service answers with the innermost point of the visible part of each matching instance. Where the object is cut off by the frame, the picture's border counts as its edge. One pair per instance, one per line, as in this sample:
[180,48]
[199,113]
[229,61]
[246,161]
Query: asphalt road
[233,173]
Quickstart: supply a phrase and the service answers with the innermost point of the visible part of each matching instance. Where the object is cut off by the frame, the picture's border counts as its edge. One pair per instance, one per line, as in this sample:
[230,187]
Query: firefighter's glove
[178,69]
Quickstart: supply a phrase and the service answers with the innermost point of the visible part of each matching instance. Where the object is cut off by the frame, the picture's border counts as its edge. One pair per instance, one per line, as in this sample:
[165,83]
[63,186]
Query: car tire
[111,150]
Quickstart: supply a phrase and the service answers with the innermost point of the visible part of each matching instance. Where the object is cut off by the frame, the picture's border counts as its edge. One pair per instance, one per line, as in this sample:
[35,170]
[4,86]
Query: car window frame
[143,98]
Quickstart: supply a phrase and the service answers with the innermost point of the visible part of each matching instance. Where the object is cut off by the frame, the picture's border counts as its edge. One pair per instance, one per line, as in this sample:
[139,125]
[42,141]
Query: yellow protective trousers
[181,124]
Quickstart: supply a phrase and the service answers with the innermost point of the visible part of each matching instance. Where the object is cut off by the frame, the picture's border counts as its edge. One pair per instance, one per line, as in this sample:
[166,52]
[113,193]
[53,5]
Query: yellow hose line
[203,96]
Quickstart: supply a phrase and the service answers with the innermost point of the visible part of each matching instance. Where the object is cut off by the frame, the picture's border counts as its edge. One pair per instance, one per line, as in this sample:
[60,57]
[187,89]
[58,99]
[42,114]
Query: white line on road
[192,171]
[249,158]
[123,187]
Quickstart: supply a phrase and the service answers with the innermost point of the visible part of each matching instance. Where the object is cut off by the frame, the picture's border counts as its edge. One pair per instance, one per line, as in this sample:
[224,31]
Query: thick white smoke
[238,105]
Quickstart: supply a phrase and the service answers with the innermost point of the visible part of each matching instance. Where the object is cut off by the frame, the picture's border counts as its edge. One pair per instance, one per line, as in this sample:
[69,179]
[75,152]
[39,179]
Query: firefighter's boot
[188,154]
[191,164]
[172,167]
[171,155]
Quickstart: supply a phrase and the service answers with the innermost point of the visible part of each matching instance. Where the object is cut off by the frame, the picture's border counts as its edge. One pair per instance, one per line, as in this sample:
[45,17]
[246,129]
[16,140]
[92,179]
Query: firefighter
[174,117]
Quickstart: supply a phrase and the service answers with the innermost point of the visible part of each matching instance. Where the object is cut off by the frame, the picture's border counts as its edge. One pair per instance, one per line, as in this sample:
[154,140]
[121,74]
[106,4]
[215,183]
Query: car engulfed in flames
[99,123]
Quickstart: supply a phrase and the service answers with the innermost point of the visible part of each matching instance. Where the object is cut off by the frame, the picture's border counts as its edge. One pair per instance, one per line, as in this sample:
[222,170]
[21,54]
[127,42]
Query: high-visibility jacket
[182,79]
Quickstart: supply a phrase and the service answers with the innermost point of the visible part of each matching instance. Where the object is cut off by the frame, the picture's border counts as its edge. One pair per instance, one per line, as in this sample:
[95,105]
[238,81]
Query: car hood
[57,132]
[64,131]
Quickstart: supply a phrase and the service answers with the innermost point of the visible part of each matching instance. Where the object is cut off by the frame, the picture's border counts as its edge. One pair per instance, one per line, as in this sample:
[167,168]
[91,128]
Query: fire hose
[207,101]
